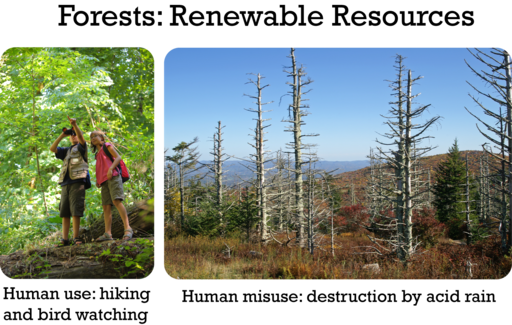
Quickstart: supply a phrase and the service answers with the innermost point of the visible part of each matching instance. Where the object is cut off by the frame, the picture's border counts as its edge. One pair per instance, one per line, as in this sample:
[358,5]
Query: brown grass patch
[203,258]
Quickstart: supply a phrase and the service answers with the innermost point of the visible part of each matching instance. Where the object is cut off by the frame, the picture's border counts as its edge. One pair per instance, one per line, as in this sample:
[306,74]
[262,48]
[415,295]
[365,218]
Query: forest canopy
[107,89]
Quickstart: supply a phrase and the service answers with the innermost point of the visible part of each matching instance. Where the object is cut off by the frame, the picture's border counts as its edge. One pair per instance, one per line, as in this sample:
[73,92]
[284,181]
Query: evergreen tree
[449,187]
[245,215]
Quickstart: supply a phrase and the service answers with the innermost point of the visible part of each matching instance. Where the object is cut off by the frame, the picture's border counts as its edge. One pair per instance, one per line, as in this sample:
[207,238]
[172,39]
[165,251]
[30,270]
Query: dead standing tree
[260,157]
[281,196]
[389,185]
[277,195]
[496,179]
[406,154]
[314,211]
[319,212]
[498,76]
[318,203]
[380,198]
[296,112]
[219,157]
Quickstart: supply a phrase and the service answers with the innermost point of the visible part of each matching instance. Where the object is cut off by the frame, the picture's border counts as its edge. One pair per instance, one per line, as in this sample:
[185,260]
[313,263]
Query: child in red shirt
[108,177]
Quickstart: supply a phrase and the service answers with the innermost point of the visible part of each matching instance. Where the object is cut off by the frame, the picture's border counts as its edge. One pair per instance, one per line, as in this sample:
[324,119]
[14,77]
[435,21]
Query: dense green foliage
[110,89]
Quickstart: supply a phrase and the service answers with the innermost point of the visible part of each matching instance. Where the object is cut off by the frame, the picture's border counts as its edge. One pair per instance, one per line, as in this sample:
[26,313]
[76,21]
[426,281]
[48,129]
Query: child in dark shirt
[72,179]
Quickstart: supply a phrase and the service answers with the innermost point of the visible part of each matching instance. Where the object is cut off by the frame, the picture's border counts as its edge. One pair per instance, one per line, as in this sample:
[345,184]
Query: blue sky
[349,92]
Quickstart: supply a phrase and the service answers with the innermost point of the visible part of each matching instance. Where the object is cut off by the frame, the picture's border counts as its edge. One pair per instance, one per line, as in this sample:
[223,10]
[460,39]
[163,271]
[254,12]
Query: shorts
[72,200]
[112,190]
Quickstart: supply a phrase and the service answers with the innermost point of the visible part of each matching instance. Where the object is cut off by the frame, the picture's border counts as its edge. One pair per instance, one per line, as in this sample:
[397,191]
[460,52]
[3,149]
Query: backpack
[121,167]
[88,184]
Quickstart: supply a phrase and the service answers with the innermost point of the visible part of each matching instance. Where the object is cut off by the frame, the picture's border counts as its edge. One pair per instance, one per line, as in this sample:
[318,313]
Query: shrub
[456,228]
[338,222]
[489,249]
[171,229]
[346,219]
[350,217]
[384,224]
[427,228]
[480,232]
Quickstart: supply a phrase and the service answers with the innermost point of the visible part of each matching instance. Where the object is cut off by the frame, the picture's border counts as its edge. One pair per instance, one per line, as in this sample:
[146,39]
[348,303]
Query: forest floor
[206,258]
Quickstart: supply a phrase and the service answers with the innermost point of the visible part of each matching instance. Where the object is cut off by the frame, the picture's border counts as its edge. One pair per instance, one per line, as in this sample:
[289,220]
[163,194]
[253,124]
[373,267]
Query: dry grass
[203,258]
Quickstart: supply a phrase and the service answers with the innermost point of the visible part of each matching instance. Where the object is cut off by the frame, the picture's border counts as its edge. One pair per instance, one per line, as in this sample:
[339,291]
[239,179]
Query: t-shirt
[61,154]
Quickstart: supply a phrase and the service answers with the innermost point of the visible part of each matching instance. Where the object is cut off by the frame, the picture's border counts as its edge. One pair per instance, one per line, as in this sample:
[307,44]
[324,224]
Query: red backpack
[121,167]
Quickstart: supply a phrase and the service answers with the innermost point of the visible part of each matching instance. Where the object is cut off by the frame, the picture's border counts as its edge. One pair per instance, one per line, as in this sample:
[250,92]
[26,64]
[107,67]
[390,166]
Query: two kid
[74,178]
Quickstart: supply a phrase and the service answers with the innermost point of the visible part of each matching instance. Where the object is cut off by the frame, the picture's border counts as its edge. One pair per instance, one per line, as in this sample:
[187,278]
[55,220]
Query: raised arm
[78,132]
[55,144]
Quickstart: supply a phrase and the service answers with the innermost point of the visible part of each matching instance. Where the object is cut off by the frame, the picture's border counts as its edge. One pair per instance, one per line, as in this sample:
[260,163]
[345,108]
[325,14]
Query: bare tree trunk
[407,167]
[260,159]
[218,162]
[429,191]
[281,193]
[488,193]
[76,262]
[332,232]
[182,197]
[503,184]
[468,220]
[299,203]
[297,145]
[399,210]
[481,193]
[290,190]
[509,130]
[309,221]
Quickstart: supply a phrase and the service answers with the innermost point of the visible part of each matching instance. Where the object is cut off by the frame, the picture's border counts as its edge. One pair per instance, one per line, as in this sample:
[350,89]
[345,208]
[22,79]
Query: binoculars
[68,131]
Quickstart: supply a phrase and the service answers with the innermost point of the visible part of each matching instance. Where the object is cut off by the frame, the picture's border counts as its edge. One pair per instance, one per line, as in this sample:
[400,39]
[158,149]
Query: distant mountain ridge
[235,170]
[347,172]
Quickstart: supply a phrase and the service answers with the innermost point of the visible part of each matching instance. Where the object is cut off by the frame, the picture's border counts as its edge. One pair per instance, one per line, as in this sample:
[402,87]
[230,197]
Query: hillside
[359,177]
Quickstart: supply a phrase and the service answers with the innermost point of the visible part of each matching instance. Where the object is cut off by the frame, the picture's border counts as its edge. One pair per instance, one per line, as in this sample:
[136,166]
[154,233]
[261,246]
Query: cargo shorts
[72,200]
[112,190]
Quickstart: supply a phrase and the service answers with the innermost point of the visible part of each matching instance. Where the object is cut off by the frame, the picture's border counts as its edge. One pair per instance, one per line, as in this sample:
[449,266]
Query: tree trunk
[86,261]
[509,126]
[297,142]
[140,216]
[182,197]
[468,220]
[407,167]
[259,160]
